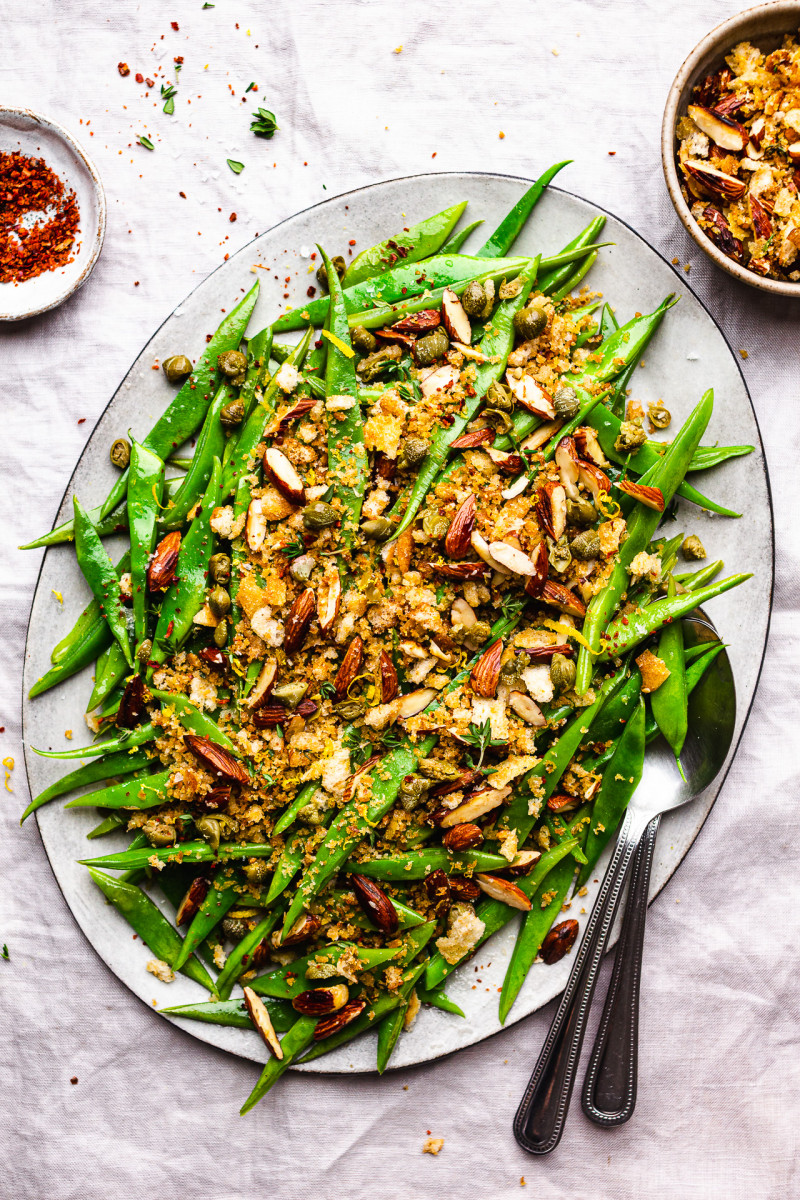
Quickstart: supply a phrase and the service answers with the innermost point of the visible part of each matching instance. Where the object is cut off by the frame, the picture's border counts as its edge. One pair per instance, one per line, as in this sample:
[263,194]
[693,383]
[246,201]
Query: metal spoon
[540,1118]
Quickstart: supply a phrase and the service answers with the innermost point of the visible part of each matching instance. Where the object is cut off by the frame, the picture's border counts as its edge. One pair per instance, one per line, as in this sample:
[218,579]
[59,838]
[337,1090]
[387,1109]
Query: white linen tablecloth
[154,1113]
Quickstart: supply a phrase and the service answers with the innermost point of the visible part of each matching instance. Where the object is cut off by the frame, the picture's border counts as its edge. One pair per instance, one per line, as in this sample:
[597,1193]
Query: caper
[586,545]
[511,677]
[235,928]
[339,266]
[221,635]
[219,568]
[480,632]
[562,672]
[660,416]
[581,512]
[120,453]
[232,414]
[177,368]
[413,450]
[350,710]
[144,650]
[319,515]
[257,872]
[301,567]
[157,833]
[501,397]
[473,299]
[566,402]
[435,525]
[437,769]
[498,419]
[378,529]
[630,437]
[412,791]
[692,548]
[289,694]
[232,363]
[559,554]
[431,346]
[210,829]
[374,365]
[364,340]
[530,321]
[219,602]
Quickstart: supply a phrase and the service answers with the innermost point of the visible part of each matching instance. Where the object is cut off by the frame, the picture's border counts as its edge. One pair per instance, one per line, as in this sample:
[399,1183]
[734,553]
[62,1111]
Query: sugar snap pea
[457,239]
[239,959]
[391,1026]
[412,245]
[109,767]
[126,739]
[695,579]
[439,999]
[110,669]
[193,718]
[139,793]
[285,983]
[112,822]
[509,229]
[295,1041]
[145,487]
[189,852]
[210,445]
[620,780]
[303,797]
[419,863]
[234,1013]
[99,572]
[668,702]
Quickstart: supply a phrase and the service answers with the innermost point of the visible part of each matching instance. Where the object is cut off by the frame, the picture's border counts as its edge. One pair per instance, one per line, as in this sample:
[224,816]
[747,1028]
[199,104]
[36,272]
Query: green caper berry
[509,669]
[144,650]
[350,710]
[480,632]
[566,402]
[289,694]
[235,928]
[630,437]
[378,529]
[501,397]
[692,548]
[232,363]
[436,769]
[221,635]
[559,554]
[530,321]
[581,512]
[219,602]
[339,266]
[586,545]
[319,515]
[498,419]
[364,341]
[232,414]
[120,453]
[210,829]
[435,525]
[256,872]
[158,834]
[660,416]
[219,568]
[431,346]
[413,790]
[562,672]
[413,451]
[473,299]
[376,364]
[177,368]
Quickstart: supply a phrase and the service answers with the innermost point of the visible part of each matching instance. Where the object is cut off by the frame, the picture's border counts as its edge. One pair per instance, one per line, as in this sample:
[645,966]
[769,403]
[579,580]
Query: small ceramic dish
[26,132]
[764,26]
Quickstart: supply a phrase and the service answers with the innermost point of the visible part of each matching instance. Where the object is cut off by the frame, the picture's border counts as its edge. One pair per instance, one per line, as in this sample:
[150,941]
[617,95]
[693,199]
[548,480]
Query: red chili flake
[123,69]
[170,628]
[38,219]
[232,217]
[150,82]
[352,242]
[178,60]
[81,420]
[174,25]
[74,1079]
[182,195]
[139,77]
[312,291]
[624,620]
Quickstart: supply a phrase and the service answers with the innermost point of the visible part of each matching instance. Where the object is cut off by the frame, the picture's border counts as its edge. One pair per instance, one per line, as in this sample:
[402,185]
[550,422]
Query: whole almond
[351,665]
[462,837]
[317,1002]
[464,889]
[478,437]
[388,676]
[545,653]
[459,783]
[259,1015]
[437,885]
[561,802]
[459,535]
[339,1019]
[269,716]
[300,616]
[559,942]
[303,928]
[376,904]
[283,475]
[215,759]
[132,706]
[551,509]
[561,597]
[485,675]
[161,571]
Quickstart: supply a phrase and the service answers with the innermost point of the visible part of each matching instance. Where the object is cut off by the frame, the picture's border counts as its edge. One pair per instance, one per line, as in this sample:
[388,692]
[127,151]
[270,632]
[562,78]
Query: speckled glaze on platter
[688,355]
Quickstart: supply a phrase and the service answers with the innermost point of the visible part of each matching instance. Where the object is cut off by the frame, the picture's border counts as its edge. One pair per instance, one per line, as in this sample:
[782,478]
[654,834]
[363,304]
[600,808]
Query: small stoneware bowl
[26,132]
[765,26]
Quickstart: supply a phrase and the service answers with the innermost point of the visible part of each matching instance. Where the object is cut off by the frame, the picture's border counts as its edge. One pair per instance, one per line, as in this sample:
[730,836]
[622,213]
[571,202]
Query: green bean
[669,701]
[419,864]
[111,822]
[194,719]
[388,314]
[100,573]
[551,280]
[145,488]
[617,711]
[574,279]
[146,919]
[259,348]
[233,1013]
[513,223]
[412,245]
[704,457]
[187,852]
[210,445]
[391,1026]
[295,1041]
[456,240]
[692,580]
[126,739]
[439,999]
[182,418]
[303,797]
[239,958]
[140,792]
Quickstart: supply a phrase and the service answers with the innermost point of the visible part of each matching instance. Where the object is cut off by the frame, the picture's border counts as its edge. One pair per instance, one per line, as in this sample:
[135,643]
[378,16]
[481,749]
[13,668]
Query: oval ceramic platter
[688,355]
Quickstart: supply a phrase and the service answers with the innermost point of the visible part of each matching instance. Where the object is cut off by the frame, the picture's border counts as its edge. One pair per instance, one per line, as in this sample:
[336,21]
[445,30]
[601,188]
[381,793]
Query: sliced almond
[531,395]
[260,1017]
[477,437]
[588,446]
[481,548]
[462,614]
[516,488]
[255,528]
[593,479]
[524,861]
[300,616]
[508,462]
[566,458]
[414,702]
[712,181]
[329,597]
[280,471]
[562,598]
[726,132]
[516,561]
[437,380]
[651,497]
[264,684]
[551,509]
[476,806]
[504,890]
[454,318]
[388,678]
[541,561]
[527,709]
[195,895]
[537,439]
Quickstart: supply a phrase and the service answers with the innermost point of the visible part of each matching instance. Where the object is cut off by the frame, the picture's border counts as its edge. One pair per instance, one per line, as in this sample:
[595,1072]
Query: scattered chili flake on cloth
[38,219]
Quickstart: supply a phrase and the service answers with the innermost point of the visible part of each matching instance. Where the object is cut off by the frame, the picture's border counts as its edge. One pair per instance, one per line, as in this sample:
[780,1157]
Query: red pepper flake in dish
[38,219]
